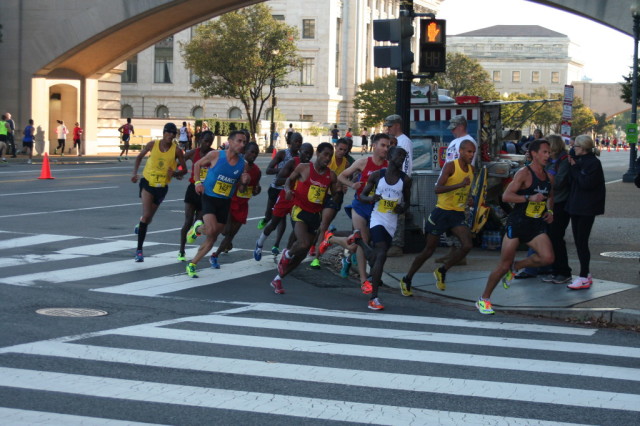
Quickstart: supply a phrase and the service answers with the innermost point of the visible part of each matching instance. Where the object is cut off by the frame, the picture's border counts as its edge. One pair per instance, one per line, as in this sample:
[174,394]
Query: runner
[361,212]
[332,204]
[157,173]
[283,206]
[392,197]
[126,130]
[193,200]
[309,184]
[226,168]
[532,192]
[452,189]
[240,203]
[281,158]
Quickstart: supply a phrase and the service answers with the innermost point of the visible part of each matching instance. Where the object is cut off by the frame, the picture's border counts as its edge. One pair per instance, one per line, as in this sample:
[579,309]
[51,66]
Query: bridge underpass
[61,56]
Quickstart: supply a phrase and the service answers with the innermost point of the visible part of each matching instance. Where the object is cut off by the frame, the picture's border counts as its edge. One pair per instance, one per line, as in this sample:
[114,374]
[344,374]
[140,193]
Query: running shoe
[366,287]
[356,235]
[315,264]
[375,304]
[213,260]
[192,234]
[136,229]
[312,251]
[119,160]
[405,287]
[580,283]
[262,224]
[277,286]
[523,275]
[346,265]
[139,256]
[181,256]
[275,250]
[257,252]
[547,278]
[508,277]
[561,279]
[325,244]
[191,270]
[284,262]
[440,277]
[484,307]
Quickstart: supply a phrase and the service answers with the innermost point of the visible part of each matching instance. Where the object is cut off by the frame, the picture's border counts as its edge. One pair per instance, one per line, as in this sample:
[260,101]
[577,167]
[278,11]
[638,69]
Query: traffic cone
[46,170]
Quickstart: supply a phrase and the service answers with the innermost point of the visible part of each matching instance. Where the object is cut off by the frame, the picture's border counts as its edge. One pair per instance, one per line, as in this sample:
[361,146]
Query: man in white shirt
[458,126]
[393,123]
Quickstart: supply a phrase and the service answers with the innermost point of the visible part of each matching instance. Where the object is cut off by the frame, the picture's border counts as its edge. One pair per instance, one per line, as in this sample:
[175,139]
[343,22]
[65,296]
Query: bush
[222,127]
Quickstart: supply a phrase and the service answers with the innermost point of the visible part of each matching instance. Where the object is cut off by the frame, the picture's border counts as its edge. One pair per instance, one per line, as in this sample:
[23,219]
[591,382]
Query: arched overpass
[55,48]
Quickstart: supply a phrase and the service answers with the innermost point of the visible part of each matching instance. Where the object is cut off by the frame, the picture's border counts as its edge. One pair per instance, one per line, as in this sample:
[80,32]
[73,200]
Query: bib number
[222,188]
[535,209]
[157,181]
[461,197]
[316,194]
[387,206]
[247,193]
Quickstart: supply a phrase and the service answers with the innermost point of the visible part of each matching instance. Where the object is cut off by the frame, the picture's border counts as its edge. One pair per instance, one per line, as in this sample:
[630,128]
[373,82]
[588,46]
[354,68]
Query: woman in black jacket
[586,201]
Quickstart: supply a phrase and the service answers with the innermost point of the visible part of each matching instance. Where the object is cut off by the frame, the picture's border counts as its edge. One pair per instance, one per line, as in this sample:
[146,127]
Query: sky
[606,54]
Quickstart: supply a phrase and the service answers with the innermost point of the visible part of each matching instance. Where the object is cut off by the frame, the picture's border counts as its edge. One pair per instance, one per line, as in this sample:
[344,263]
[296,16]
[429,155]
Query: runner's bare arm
[297,174]
[272,168]
[447,172]
[284,173]
[209,161]
[406,196]
[365,196]
[147,148]
[345,176]
[182,170]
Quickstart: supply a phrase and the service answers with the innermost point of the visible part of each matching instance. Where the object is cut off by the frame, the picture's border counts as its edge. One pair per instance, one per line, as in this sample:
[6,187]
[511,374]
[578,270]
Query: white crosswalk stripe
[232,343]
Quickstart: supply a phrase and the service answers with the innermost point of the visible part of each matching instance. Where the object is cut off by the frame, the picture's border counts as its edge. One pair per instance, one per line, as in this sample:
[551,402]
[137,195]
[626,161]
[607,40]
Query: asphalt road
[224,348]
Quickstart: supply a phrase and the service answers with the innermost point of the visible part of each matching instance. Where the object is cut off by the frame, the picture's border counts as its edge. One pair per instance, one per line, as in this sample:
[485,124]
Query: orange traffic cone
[46,170]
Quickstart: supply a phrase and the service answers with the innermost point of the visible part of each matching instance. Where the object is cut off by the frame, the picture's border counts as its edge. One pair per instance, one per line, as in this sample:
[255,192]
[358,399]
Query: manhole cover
[622,254]
[71,312]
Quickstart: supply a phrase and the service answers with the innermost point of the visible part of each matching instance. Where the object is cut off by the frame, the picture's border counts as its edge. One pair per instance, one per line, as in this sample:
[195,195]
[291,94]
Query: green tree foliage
[376,100]
[465,77]
[243,55]
[627,86]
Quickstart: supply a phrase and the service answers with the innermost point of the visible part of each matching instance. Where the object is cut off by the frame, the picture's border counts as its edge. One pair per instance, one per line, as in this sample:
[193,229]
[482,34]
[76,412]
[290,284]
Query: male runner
[126,130]
[193,200]
[281,158]
[282,206]
[240,203]
[452,189]
[310,184]
[226,169]
[391,198]
[361,212]
[157,173]
[532,192]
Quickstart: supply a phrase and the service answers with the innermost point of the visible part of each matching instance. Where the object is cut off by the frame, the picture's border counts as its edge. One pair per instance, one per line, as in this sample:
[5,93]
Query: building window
[162,112]
[518,47]
[308,28]
[197,112]
[498,47]
[163,66]
[515,76]
[535,76]
[497,76]
[306,72]
[306,117]
[235,113]
[126,111]
[278,17]
[131,74]
[555,77]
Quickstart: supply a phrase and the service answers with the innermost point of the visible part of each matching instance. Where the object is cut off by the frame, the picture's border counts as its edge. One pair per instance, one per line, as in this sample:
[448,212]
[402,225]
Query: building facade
[336,45]
[521,58]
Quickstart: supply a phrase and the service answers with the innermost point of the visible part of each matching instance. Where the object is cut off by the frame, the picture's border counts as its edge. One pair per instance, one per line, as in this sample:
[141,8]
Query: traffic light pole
[404,78]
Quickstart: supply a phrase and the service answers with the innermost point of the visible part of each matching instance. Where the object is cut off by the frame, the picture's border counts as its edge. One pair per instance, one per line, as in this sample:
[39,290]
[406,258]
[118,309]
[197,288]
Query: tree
[244,55]
[627,87]
[376,99]
[465,77]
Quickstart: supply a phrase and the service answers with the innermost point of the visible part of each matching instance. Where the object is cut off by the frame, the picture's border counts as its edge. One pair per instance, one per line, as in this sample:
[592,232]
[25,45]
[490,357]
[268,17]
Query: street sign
[567,111]
[632,133]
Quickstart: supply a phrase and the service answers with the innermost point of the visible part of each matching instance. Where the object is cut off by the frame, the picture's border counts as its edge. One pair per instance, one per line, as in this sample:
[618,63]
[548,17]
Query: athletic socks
[261,239]
[142,233]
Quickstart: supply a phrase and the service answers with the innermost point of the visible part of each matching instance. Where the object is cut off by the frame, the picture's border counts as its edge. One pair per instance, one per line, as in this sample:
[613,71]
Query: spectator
[335,134]
[10,135]
[77,134]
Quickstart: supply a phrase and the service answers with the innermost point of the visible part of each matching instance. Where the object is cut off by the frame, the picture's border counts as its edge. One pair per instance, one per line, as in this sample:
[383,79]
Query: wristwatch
[526,198]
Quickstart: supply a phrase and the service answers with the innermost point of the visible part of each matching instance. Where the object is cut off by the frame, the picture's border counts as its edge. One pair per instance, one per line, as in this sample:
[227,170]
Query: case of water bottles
[491,240]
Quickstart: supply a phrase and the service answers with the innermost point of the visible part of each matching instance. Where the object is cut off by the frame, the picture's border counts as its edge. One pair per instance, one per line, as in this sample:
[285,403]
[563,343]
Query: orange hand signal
[433,30]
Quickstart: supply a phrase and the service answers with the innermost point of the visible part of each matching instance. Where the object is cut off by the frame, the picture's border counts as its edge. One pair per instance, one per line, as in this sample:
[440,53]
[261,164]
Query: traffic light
[433,45]
[399,57]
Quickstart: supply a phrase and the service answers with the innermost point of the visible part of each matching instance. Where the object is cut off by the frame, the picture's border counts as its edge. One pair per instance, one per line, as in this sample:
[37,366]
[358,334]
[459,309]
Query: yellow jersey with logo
[457,199]
[156,171]
[337,169]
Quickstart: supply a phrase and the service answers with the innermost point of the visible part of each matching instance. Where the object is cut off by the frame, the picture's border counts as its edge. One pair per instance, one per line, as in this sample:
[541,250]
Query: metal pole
[273,111]
[630,175]
[404,80]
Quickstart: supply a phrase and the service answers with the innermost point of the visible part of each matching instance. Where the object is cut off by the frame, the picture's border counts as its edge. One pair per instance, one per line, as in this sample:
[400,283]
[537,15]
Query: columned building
[521,58]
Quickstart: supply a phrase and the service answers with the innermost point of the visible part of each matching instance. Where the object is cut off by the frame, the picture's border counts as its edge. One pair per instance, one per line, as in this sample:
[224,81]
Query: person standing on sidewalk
[452,189]
[77,134]
[393,123]
[586,201]
[126,130]
[11,135]
[154,184]
[532,192]
[391,198]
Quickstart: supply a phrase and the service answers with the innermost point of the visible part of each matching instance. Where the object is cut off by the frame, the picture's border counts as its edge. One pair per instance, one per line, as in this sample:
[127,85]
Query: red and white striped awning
[443,114]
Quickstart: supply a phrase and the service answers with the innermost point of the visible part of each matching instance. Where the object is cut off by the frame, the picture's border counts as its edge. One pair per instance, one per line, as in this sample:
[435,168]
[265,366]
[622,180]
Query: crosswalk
[277,364]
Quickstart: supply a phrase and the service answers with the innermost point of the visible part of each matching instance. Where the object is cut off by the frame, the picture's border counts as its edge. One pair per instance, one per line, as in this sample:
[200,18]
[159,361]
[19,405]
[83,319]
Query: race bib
[157,180]
[461,197]
[316,194]
[387,206]
[535,209]
[203,173]
[247,193]
[222,188]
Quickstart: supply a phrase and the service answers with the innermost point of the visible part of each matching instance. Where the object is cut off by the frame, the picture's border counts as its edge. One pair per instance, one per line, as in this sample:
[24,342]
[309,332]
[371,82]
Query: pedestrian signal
[433,52]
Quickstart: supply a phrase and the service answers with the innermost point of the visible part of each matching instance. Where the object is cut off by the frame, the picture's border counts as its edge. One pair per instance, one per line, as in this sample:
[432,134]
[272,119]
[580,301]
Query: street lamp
[631,173]
[274,101]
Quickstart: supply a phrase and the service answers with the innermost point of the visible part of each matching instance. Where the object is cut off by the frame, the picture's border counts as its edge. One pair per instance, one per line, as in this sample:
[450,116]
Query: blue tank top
[221,180]
[28,134]
[287,156]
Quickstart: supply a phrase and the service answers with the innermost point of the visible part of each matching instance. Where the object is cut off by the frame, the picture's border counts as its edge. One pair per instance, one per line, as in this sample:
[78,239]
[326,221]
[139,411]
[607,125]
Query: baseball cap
[392,119]
[170,127]
[457,120]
